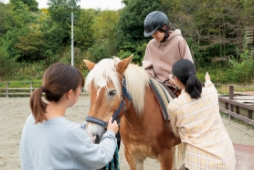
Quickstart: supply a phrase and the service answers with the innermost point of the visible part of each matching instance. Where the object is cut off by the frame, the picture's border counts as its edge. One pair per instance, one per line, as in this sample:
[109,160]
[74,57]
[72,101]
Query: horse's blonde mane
[136,80]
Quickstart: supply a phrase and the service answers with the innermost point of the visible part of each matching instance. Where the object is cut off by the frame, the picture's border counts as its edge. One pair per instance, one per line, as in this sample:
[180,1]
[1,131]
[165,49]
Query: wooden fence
[236,109]
[249,33]
[21,92]
[227,105]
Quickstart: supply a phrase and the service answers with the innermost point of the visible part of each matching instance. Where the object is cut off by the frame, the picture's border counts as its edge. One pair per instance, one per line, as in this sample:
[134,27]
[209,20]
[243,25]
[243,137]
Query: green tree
[97,52]
[6,18]
[10,39]
[31,47]
[214,29]
[21,13]
[32,4]
[54,36]
[83,32]
[105,30]
[60,10]
[130,27]
[18,25]
[8,65]
[60,13]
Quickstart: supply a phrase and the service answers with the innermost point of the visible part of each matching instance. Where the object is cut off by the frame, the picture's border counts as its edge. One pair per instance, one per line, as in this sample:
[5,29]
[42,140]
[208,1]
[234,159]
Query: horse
[121,89]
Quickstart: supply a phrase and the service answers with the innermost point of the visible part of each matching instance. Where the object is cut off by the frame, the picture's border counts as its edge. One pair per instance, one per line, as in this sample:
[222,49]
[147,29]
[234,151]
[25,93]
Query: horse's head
[105,84]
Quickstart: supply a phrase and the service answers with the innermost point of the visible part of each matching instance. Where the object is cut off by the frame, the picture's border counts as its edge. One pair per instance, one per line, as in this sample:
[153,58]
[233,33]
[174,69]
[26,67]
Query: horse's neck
[136,120]
[132,118]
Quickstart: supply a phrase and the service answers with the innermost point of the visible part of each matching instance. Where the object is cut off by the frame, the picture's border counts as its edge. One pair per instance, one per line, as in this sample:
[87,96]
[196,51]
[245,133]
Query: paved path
[243,144]
[244,157]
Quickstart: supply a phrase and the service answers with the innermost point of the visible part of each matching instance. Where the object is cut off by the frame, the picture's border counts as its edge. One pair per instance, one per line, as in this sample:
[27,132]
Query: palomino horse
[120,89]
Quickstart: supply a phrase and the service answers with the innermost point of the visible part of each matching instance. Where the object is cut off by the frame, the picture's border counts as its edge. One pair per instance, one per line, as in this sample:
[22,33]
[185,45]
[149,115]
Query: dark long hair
[185,71]
[58,79]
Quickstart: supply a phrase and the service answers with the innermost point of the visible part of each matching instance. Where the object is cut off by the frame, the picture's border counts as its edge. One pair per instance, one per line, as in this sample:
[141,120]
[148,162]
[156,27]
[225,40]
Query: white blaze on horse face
[98,93]
[101,84]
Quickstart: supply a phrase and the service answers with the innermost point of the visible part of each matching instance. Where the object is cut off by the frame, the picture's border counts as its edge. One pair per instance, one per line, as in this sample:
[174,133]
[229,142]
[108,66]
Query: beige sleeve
[208,83]
[147,64]
[184,50]
[173,119]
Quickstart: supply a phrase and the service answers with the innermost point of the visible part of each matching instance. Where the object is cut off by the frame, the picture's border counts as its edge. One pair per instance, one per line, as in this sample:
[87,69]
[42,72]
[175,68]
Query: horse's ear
[122,65]
[90,65]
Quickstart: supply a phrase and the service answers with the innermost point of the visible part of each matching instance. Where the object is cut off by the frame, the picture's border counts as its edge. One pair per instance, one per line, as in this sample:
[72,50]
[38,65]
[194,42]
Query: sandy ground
[14,111]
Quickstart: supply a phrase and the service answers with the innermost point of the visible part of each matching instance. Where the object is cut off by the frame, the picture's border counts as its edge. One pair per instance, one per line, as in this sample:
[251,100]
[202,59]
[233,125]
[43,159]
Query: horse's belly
[143,150]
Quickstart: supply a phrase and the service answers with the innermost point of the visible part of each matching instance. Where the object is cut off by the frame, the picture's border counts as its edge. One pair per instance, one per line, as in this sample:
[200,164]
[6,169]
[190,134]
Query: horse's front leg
[165,158]
[134,160]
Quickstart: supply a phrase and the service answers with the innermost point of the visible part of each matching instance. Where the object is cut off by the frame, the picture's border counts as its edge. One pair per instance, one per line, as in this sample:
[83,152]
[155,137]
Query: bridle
[125,94]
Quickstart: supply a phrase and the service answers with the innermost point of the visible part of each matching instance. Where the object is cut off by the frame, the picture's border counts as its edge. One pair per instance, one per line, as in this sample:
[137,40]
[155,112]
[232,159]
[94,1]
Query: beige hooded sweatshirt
[160,57]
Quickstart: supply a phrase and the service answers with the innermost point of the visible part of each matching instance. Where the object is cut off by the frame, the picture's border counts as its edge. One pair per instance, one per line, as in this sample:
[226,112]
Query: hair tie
[43,89]
[190,74]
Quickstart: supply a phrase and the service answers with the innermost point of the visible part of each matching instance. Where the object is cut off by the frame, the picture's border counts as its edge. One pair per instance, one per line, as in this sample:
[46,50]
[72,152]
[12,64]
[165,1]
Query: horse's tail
[178,159]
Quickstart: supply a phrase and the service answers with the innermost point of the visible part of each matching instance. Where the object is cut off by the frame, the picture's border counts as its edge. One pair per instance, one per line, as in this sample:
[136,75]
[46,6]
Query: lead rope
[114,164]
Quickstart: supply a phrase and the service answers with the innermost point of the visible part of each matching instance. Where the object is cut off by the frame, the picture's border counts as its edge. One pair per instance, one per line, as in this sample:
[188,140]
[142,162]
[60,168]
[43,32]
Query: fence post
[7,92]
[231,97]
[31,88]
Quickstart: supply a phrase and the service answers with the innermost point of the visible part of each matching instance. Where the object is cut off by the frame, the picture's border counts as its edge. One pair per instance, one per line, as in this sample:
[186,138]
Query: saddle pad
[162,96]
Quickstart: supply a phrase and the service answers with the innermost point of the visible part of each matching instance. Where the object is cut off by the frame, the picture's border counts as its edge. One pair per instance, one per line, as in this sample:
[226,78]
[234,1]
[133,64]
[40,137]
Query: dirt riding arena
[14,111]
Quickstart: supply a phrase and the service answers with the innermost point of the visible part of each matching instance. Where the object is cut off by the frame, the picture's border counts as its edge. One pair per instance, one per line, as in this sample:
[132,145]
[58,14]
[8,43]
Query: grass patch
[18,88]
[224,89]
[21,84]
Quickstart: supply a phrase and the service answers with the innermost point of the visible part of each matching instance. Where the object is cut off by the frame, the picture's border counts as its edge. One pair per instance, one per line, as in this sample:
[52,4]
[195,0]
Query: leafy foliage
[243,71]
[32,39]
[83,32]
[97,52]
[21,12]
[60,14]
[60,10]
[7,19]
[130,27]
[215,28]
[104,35]
[32,4]
[31,47]
[8,65]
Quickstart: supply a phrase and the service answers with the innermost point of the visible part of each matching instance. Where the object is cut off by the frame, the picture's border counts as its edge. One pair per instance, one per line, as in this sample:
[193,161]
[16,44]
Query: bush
[8,65]
[242,72]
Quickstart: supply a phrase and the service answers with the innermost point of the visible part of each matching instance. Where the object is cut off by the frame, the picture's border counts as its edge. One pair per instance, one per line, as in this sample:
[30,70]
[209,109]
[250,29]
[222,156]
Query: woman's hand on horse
[112,126]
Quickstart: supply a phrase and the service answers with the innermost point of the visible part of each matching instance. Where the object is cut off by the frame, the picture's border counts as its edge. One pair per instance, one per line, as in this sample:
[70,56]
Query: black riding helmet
[154,21]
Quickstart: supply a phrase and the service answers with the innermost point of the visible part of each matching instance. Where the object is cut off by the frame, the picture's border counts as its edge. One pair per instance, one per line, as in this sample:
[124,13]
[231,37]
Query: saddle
[164,95]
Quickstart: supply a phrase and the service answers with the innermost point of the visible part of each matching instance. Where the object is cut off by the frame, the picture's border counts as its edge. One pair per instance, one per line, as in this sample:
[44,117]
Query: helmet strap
[166,34]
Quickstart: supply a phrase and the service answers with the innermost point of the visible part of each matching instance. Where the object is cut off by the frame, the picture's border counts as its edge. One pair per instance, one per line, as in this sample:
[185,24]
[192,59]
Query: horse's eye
[112,92]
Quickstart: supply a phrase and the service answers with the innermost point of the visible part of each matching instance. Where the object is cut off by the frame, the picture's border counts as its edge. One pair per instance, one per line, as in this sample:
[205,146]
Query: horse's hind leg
[166,159]
[135,162]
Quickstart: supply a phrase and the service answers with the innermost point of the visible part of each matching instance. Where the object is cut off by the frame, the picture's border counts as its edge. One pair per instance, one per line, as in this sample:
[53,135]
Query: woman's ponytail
[193,86]
[37,105]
